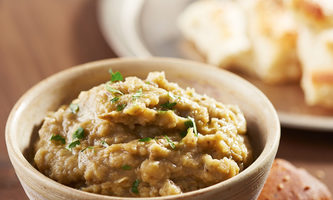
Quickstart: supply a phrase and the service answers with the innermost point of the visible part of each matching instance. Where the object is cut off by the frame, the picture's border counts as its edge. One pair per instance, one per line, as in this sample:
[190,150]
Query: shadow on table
[303,145]
[29,152]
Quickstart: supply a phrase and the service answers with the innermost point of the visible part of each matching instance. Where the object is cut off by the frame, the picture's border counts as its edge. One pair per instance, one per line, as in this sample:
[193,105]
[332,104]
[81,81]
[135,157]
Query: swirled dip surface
[142,138]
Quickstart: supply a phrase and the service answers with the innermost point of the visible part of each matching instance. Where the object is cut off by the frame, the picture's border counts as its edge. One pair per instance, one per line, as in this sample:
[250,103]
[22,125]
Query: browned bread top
[323,76]
[286,182]
[314,12]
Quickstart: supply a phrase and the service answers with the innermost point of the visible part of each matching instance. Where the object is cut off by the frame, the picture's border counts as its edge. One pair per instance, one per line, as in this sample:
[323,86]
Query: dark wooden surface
[41,37]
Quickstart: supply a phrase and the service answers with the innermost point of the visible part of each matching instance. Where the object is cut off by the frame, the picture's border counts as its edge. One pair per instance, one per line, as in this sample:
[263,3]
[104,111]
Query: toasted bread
[273,33]
[277,40]
[218,30]
[315,50]
[315,13]
[233,34]
[285,181]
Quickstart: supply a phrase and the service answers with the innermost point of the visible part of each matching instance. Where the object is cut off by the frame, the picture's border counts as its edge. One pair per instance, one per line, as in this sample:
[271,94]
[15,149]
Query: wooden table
[41,37]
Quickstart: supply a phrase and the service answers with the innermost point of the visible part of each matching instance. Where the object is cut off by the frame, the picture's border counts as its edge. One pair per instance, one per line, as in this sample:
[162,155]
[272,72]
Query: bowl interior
[48,95]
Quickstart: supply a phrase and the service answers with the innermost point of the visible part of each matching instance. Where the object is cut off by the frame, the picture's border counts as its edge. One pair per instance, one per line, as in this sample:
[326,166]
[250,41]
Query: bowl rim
[17,158]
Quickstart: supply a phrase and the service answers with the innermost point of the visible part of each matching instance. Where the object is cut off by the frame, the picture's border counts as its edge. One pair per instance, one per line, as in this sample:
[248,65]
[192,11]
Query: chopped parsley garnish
[88,147]
[147,82]
[116,76]
[79,133]
[188,124]
[135,186]
[120,107]
[104,144]
[74,144]
[191,123]
[115,99]
[168,106]
[126,167]
[112,90]
[58,138]
[172,145]
[146,139]
[74,108]
[137,94]
[183,133]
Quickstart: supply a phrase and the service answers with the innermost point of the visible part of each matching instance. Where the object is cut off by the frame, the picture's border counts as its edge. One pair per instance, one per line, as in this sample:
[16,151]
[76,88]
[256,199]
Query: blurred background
[41,37]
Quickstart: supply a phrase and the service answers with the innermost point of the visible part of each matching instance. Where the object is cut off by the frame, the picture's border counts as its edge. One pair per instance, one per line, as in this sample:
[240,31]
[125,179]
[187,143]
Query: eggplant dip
[142,138]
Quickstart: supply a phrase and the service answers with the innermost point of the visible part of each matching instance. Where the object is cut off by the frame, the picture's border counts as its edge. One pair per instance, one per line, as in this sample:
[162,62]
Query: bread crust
[323,76]
[310,9]
[285,181]
[315,50]
[313,13]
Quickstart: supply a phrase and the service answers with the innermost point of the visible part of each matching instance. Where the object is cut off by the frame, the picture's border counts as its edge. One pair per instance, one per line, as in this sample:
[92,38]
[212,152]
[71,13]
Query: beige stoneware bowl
[28,113]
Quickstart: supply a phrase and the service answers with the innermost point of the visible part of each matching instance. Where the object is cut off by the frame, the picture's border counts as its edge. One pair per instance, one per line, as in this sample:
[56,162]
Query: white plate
[149,28]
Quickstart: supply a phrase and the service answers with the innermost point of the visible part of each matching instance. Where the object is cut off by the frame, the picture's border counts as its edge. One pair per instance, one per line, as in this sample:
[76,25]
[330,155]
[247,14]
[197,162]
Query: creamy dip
[142,138]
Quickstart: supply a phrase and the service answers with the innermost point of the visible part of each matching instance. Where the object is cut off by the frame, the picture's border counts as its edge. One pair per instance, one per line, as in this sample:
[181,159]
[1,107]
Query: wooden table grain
[41,37]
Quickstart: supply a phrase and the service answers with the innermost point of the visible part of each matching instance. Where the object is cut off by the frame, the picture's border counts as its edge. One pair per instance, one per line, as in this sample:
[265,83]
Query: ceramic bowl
[27,115]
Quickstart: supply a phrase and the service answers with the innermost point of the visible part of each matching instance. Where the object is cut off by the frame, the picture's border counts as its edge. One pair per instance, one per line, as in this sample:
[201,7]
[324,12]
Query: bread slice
[285,181]
[273,33]
[315,50]
[218,30]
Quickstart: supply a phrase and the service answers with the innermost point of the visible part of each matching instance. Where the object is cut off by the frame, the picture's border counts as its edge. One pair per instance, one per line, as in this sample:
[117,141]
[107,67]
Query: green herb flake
[79,133]
[191,123]
[74,108]
[116,76]
[104,144]
[88,147]
[135,185]
[183,134]
[58,138]
[112,90]
[148,83]
[74,144]
[126,167]
[114,100]
[137,94]
[120,107]
[168,106]
[146,139]
[172,145]
[188,124]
